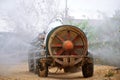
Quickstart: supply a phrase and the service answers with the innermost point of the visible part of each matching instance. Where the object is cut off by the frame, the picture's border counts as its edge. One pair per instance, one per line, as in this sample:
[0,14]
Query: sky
[79,9]
[92,8]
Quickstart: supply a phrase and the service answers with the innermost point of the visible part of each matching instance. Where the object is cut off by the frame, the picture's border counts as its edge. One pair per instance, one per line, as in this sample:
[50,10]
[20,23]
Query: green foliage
[83,25]
[109,74]
[116,18]
[87,29]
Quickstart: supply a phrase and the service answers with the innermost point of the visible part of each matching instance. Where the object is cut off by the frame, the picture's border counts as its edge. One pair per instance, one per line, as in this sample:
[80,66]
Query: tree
[29,17]
[26,18]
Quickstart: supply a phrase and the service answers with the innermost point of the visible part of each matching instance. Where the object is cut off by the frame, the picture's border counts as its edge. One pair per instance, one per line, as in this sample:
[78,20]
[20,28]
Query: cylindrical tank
[66,40]
[64,47]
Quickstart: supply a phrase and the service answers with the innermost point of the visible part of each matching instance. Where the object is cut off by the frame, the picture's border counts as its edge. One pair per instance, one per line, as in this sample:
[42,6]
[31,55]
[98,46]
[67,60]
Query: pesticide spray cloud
[25,20]
[13,51]
[106,45]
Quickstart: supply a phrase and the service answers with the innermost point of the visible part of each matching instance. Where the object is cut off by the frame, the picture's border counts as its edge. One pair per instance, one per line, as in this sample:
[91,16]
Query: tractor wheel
[87,70]
[43,70]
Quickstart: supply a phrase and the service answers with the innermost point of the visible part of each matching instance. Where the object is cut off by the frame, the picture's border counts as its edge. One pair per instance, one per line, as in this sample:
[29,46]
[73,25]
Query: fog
[106,44]
[22,21]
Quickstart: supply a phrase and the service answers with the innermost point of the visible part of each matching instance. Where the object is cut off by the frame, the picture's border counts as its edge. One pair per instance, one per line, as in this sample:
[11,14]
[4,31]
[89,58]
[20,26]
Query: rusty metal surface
[67,41]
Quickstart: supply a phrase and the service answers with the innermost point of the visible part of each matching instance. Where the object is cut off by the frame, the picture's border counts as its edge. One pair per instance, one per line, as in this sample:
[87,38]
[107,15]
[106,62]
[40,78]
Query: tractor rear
[66,47]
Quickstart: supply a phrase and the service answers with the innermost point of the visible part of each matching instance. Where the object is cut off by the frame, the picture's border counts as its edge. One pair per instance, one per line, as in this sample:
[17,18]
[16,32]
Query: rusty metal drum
[66,40]
[64,47]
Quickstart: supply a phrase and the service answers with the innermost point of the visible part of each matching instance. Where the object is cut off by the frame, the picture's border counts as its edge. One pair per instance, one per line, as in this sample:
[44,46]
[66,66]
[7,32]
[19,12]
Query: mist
[22,21]
[25,19]
[106,43]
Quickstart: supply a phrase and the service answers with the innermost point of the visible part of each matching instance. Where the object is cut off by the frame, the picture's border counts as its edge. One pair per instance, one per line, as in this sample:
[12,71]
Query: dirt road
[20,72]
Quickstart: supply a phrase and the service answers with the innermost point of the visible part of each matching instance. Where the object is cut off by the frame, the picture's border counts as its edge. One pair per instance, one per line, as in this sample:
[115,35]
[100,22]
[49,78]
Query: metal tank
[65,47]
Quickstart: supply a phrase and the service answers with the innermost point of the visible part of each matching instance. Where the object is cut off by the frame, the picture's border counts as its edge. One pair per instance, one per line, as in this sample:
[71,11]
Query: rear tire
[43,70]
[87,70]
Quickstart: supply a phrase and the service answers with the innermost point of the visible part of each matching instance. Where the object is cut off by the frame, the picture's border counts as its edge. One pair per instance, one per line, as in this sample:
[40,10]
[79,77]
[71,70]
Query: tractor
[64,47]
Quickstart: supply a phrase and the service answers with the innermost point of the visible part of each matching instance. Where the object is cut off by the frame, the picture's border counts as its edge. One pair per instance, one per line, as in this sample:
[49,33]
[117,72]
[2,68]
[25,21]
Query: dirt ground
[20,72]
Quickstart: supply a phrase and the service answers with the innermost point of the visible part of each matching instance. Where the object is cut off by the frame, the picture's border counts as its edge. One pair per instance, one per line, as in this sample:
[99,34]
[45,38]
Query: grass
[109,74]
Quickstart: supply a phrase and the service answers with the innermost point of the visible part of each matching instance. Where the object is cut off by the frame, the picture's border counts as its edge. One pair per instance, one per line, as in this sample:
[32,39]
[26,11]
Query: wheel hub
[68,45]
